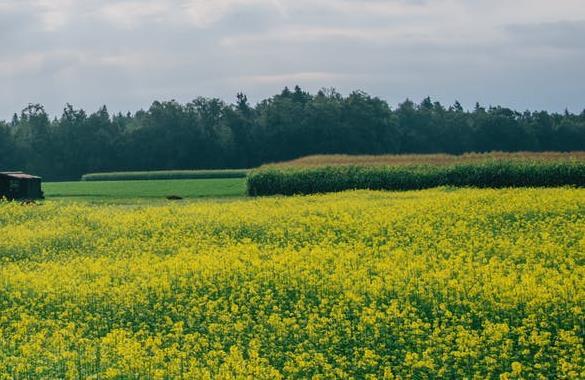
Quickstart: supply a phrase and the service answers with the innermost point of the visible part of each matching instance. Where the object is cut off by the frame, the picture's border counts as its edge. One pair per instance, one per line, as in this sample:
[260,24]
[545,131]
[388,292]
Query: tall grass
[166,174]
[484,174]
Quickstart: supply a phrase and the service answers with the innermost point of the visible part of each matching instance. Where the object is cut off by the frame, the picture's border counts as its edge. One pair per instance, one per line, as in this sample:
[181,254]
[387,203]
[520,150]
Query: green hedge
[496,174]
[165,174]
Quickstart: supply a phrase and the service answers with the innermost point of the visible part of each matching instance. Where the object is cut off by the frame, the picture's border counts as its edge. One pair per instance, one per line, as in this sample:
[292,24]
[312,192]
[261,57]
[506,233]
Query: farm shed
[18,185]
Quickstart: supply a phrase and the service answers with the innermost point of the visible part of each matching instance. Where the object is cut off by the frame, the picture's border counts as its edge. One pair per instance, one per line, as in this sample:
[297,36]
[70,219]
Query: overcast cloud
[125,54]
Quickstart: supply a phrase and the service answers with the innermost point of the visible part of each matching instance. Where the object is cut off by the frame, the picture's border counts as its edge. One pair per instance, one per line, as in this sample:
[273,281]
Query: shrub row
[494,174]
[165,174]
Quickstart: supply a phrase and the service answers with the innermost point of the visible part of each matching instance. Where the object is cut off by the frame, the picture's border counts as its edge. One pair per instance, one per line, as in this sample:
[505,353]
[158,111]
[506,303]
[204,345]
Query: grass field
[144,190]
[442,283]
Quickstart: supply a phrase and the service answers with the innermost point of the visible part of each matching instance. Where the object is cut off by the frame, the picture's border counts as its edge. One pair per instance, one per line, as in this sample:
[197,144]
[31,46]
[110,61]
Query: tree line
[211,134]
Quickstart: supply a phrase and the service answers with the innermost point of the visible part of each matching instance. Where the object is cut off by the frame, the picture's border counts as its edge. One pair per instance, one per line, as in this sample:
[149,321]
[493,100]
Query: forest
[208,133]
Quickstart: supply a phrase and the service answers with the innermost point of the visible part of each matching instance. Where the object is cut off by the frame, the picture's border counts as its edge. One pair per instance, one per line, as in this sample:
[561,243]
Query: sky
[524,54]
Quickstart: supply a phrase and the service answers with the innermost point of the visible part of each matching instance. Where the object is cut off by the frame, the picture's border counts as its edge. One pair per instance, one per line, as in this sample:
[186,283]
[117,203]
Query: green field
[166,174]
[144,190]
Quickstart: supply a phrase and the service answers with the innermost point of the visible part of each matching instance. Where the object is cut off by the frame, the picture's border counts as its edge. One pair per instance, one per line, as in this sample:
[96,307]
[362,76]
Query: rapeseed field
[440,283]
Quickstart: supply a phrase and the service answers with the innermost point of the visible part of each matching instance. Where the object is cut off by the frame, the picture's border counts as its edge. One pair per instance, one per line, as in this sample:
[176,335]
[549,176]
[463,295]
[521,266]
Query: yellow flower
[427,284]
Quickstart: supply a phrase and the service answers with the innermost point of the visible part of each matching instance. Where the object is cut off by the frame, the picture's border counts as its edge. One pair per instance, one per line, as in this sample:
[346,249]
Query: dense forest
[209,133]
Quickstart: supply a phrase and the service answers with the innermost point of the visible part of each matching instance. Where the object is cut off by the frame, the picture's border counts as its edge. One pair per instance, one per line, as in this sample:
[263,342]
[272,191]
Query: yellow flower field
[437,283]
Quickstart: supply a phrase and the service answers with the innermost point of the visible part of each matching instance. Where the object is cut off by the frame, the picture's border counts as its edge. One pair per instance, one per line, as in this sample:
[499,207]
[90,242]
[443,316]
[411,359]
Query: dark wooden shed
[21,186]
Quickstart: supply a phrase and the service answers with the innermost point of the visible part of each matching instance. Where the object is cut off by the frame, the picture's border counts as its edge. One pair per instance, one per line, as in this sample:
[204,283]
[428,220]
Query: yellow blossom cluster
[442,283]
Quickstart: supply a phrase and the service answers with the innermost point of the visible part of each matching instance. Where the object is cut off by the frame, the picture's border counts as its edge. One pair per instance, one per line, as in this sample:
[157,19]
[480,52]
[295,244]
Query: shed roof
[18,175]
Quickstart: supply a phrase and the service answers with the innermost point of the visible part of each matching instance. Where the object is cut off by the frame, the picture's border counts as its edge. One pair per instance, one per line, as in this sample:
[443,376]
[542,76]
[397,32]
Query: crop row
[165,174]
[487,174]
[421,159]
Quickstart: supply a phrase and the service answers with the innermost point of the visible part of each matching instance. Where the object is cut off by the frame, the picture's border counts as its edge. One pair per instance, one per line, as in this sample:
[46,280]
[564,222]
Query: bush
[492,174]
[165,174]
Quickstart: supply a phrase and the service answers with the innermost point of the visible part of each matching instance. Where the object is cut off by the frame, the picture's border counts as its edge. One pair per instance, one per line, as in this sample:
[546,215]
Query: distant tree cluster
[209,134]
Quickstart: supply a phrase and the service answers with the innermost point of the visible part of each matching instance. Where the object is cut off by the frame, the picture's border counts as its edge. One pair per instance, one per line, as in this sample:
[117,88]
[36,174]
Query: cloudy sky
[125,54]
